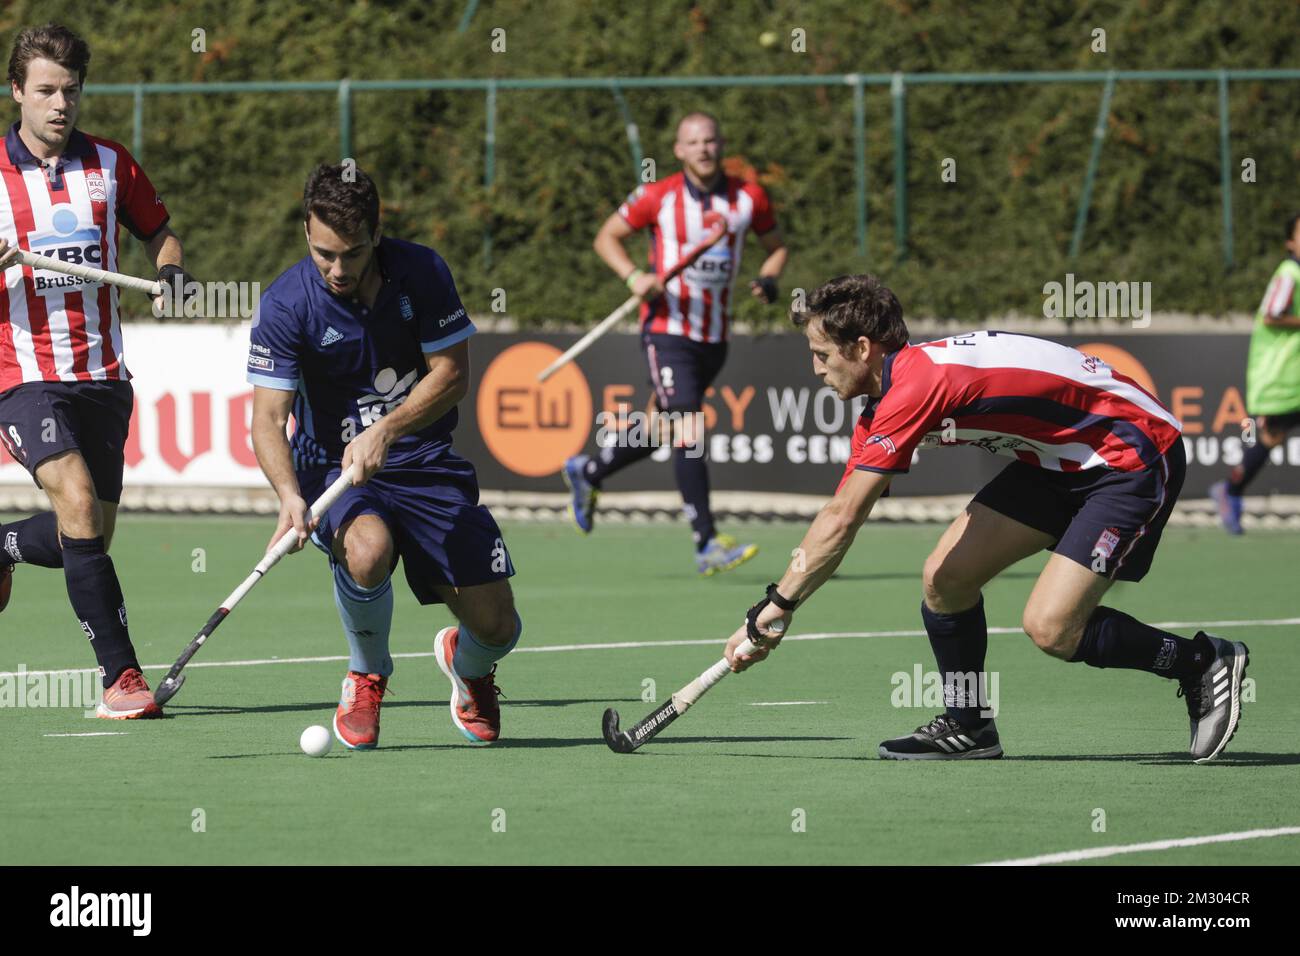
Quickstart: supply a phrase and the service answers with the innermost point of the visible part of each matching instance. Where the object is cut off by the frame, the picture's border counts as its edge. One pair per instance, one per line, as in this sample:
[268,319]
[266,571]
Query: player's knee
[497,624]
[944,584]
[1049,632]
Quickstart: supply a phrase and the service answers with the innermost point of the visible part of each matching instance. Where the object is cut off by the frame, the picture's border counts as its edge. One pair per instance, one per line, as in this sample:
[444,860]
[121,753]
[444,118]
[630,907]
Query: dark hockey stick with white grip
[626,741]
[174,679]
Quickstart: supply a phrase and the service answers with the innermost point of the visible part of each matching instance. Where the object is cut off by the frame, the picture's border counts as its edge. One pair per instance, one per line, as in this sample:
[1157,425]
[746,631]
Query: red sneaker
[128,698]
[474,707]
[356,722]
[6,584]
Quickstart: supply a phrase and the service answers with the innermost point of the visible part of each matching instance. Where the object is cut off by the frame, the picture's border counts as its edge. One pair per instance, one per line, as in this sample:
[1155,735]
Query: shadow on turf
[200,711]
[529,743]
[1180,758]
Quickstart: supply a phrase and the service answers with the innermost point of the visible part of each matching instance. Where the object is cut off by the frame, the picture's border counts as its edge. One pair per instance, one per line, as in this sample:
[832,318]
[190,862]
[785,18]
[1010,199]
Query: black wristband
[774,596]
[768,285]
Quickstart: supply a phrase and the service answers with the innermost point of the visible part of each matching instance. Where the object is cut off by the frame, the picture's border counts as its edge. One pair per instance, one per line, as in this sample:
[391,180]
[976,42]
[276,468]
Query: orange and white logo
[531,427]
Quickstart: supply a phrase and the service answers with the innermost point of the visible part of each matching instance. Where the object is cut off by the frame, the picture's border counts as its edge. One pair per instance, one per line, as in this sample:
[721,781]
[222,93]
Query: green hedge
[231,166]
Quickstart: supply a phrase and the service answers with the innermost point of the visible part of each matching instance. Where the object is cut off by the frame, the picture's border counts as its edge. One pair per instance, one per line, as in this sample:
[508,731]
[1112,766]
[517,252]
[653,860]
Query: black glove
[183,287]
[768,285]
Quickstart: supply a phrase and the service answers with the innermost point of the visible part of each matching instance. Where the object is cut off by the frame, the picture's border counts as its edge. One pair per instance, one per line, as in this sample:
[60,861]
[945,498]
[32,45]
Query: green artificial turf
[727,783]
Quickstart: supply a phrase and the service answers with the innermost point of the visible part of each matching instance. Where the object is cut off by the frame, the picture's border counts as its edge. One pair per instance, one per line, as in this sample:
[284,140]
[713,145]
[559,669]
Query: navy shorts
[681,369]
[39,420]
[442,534]
[1108,521]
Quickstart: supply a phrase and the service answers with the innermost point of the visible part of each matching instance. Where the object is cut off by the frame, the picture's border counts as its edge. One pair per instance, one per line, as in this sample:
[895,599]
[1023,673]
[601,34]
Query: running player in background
[1272,379]
[365,341]
[1099,464]
[65,395]
[684,327]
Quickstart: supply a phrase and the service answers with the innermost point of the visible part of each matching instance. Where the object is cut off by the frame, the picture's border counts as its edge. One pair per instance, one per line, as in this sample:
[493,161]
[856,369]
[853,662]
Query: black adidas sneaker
[944,738]
[1214,698]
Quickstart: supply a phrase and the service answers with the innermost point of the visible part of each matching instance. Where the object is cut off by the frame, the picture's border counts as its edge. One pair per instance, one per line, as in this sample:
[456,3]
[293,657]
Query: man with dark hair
[1272,379]
[364,341]
[65,394]
[1098,467]
[684,327]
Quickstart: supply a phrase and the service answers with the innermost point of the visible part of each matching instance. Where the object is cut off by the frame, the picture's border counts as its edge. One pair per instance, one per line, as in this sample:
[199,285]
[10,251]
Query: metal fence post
[137,122]
[860,156]
[1098,137]
[489,167]
[1225,173]
[898,92]
[345,118]
[633,133]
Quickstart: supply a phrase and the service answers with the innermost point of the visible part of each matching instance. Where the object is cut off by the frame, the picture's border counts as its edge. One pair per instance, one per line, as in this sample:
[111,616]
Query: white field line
[1101,852]
[703,642]
[782,703]
[94,733]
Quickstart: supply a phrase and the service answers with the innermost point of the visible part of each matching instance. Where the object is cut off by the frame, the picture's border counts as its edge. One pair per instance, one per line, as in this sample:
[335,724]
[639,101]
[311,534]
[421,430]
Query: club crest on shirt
[1107,543]
[883,440]
[96,188]
[408,312]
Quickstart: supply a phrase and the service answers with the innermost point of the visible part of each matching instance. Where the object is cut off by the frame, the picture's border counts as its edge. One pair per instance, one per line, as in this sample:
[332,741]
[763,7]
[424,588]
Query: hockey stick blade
[626,741]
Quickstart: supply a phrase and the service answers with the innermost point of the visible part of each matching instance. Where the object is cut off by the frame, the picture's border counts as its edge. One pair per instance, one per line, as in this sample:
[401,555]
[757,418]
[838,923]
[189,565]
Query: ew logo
[103,909]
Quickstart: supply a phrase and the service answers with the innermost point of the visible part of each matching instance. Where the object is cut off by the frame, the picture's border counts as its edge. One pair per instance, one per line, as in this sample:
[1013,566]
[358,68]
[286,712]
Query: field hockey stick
[173,681]
[626,741]
[718,229]
[32,260]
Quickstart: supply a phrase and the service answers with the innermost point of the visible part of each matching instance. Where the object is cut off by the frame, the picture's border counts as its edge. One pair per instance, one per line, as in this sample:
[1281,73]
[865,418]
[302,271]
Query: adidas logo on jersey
[332,335]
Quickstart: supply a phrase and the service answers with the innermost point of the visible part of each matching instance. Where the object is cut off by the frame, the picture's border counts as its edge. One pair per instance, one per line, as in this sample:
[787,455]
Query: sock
[473,659]
[33,540]
[614,459]
[959,642]
[693,482]
[367,616]
[96,598]
[1255,458]
[1113,639]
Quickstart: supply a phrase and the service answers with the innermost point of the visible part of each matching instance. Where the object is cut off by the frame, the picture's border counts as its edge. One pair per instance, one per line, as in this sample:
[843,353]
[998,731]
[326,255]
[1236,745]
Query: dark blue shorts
[1108,521]
[681,370]
[443,535]
[39,420]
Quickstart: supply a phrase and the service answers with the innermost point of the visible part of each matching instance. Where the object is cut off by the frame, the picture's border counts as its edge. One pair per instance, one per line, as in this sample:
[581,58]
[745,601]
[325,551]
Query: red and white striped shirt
[697,302]
[56,327]
[1046,404]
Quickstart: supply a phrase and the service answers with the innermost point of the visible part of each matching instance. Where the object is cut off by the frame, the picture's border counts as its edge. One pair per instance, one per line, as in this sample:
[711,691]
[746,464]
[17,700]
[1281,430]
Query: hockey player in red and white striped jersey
[65,395]
[1097,466]
[684,326]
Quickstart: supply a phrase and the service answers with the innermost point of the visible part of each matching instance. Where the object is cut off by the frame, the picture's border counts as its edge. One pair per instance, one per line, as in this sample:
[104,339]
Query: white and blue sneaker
[1229,507]
[723,553]
[582,504]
